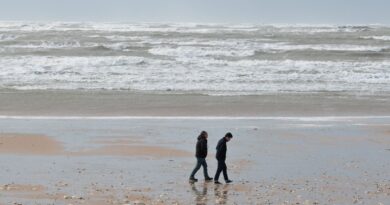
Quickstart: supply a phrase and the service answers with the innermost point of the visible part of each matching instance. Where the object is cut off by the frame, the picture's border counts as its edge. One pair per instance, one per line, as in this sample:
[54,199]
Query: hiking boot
[228,181]
[208,179]
[193,180]
[217,182]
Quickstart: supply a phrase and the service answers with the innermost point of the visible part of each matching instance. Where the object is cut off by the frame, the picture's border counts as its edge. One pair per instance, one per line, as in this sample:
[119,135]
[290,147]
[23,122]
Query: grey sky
[234,11]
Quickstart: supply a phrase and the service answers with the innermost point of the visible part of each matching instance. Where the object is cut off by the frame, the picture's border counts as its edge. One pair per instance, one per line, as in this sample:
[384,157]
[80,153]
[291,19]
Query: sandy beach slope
[118,103]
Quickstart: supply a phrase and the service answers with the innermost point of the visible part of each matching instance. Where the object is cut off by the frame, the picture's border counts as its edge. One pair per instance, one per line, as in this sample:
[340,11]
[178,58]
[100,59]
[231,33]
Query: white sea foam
[125,38]
[172,47]
[120,27]
[47,45]
[119,46]
[383,38]
[174,27]
[213,77]
[322,47]
[189,51]
[237,49]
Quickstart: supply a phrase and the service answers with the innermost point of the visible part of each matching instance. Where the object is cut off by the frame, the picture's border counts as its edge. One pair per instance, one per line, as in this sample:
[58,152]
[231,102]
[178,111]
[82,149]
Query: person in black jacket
[221,157]
[201,154]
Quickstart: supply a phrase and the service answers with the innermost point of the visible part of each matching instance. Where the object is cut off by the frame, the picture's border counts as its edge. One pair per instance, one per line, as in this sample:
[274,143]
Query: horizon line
[195,22]
[151,117]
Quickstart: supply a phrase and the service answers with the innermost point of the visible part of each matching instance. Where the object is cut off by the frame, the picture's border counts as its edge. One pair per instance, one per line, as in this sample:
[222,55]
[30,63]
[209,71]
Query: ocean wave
[185,58]
[315,29]
[121,46]
[8,37]
[47,45]
[192,51]
[178,27]
[235,49]
[126,38]
[194,48]
[201,42]
[383,38]
[213,76]
[320,47]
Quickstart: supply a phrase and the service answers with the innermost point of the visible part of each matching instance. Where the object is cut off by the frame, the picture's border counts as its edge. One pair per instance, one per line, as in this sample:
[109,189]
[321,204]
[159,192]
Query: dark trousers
[221,168]
[200,162]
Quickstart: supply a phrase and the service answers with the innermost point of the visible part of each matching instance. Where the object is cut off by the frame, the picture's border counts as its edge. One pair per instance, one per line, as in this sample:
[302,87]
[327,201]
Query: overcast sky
[206,11]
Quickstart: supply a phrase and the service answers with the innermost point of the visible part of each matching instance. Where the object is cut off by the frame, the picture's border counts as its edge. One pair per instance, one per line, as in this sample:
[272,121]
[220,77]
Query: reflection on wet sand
[200,196]
[220,193]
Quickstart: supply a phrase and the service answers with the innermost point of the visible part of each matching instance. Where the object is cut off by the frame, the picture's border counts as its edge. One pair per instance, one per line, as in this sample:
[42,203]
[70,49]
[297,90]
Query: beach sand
[322,149]
[122,103]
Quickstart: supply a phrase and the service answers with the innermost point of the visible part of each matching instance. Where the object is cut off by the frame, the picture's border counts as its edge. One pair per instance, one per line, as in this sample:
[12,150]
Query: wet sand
[302,160]
[122,103]
[28,145]
[22,144]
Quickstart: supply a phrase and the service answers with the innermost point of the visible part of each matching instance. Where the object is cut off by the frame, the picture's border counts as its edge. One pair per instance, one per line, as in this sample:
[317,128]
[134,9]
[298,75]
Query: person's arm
[223,151]
[205,148]
[198,148]
[219,150]
[201,150]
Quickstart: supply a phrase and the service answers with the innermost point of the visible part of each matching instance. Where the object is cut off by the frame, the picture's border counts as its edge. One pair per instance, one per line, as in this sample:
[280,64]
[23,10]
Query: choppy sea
[214,59]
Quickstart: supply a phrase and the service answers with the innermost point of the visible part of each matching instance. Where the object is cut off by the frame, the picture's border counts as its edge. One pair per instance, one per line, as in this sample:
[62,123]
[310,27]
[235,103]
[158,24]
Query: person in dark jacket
[201,154]
[221,158]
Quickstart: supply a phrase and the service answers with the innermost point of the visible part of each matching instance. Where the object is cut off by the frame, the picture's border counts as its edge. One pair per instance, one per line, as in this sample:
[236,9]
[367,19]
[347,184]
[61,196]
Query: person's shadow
[200,196]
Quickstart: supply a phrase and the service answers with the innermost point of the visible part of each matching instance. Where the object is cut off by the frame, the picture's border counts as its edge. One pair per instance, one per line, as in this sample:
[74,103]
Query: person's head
[203,135]
[228,136]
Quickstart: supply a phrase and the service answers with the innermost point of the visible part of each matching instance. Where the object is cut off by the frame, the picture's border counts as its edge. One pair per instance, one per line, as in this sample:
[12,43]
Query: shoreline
[129,104]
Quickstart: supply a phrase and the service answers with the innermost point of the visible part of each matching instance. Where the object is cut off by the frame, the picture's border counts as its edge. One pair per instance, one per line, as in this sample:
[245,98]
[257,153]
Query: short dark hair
[229,135]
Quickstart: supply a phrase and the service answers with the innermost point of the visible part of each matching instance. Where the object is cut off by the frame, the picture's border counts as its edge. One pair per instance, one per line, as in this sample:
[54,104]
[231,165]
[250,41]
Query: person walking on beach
[221,157]
[201,154]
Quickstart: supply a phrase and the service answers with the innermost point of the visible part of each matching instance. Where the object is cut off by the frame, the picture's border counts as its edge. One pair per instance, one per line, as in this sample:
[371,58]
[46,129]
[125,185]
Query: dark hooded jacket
[201,147]
[221,150]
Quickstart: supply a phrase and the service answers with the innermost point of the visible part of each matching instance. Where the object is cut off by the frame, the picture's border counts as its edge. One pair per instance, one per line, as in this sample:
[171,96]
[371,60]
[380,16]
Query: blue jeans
[200,162]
